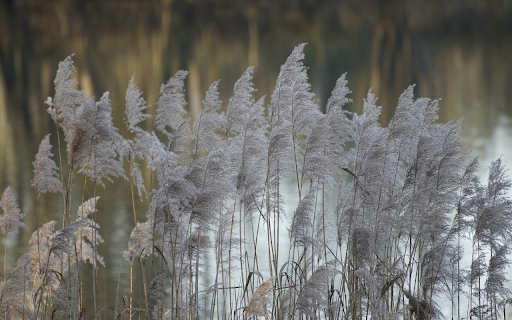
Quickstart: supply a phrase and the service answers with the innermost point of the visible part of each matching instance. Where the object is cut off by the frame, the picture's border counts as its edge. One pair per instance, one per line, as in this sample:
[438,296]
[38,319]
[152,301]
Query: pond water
[458,52]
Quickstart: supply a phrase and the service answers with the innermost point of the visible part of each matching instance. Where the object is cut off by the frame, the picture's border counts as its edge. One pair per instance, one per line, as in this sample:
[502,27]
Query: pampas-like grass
[388,244]
[261,300]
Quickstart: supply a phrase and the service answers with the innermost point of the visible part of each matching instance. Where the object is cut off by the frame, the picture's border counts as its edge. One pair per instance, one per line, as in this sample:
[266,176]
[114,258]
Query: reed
[376,233]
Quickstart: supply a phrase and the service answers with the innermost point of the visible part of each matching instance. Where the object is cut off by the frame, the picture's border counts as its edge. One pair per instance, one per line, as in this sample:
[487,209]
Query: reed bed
[378,231]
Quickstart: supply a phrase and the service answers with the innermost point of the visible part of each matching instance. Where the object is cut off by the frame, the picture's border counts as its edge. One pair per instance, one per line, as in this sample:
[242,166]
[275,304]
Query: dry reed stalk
[261,298]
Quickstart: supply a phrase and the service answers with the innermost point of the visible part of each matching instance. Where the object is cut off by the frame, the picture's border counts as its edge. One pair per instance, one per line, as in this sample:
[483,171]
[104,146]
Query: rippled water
[458,52]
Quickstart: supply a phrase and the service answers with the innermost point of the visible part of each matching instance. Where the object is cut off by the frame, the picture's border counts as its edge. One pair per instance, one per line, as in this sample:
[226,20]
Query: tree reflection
[455,50]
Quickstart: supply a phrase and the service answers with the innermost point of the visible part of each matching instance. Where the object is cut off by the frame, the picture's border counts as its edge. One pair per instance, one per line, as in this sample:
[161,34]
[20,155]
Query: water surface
[458,52]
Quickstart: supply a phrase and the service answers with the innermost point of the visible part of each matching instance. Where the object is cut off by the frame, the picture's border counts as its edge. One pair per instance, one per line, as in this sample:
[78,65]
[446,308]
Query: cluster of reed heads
[378,232]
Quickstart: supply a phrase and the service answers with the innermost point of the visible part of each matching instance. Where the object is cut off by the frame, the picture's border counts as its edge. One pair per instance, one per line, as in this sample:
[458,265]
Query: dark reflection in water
[459,51]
